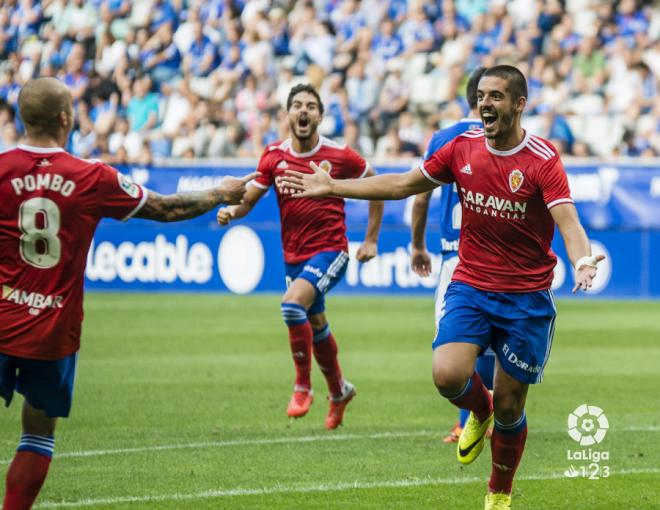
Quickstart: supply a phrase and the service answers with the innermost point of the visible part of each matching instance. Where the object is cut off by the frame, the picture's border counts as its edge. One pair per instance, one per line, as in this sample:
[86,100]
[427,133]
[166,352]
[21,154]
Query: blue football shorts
[45,384]
[518,326]
[323,270]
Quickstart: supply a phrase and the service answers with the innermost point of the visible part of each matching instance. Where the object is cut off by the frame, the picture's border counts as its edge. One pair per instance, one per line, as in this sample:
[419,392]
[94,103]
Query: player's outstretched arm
[379,187]
[369,248]
[234,212]
[420,261]
[183,206]
[577,245]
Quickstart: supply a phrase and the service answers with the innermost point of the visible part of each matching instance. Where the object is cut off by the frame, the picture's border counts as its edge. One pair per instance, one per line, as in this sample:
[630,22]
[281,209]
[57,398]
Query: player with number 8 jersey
[52,203]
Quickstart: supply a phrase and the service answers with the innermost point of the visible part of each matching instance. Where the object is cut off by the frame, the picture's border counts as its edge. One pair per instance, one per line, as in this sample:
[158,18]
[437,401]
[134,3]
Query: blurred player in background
[315,246]
[450,226]
[513,190]
[51,205]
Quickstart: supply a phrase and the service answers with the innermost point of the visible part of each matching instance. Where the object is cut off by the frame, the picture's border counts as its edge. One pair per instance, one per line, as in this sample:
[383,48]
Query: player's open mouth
[303,122]
[488,118]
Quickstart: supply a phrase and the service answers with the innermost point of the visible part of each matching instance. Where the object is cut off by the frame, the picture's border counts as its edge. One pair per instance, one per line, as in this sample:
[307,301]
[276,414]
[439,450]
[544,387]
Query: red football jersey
[51,204]
[506,198]
[310,225]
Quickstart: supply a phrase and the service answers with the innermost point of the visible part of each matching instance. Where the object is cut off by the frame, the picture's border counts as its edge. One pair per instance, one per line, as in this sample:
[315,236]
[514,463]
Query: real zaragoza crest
[326,166]
[516,179]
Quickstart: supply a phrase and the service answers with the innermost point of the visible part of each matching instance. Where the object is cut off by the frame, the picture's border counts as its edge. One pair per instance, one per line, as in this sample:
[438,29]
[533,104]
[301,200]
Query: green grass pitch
[180,404]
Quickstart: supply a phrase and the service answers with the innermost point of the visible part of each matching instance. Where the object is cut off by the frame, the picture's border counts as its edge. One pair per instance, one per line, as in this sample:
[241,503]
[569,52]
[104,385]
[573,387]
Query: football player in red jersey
[513,190]
[51,205]
[314,243]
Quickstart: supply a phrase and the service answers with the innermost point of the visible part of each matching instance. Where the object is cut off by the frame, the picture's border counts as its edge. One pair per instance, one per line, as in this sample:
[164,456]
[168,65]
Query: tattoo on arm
[179,206]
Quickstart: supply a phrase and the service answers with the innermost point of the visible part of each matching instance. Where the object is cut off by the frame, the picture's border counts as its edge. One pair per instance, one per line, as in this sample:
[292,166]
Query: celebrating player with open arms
[51,205]
[314,243]
[513,190]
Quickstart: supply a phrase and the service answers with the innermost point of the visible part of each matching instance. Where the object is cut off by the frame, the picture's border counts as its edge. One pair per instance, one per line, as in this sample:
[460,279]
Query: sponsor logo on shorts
[314,270]
[513,358]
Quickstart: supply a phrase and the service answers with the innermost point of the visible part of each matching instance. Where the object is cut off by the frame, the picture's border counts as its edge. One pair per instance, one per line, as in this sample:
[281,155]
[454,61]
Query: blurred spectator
[8,136]
[313,44]
[589,65]
[391,146]
[201,55]
[409,130]
[162,16]
[74,75]
[556,129]
[104,113]
[392,101]
[631,22]
[635,146]
[77,21]
[416,31]
[250,103]
[142,108]
[352,137]
[387,44]
[335,102]
[26,17]
[109,53]
[83,137]
[279,31]
[162,58]
[362,91]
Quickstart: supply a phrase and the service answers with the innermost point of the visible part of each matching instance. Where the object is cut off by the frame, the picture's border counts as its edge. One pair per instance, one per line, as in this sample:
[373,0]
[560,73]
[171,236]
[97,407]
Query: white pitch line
[283,489]
[287,440]
[242,442]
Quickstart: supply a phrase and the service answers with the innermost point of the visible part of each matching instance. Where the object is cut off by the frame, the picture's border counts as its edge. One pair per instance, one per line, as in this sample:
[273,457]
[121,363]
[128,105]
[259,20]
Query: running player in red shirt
[51,205]
[315,246]
[513,190]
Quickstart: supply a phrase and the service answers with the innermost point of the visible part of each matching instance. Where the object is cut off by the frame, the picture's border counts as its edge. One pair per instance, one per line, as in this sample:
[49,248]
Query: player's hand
[232,189]
[585,274]
[225,215]
[298,184]
[367,251]
[420,261]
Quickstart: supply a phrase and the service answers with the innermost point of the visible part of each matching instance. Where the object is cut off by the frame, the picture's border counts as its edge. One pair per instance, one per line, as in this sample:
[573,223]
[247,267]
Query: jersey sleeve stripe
[367,167]
[257,185]
[145,195]
[540,154]
[428,176]
[559,201]
[543,145]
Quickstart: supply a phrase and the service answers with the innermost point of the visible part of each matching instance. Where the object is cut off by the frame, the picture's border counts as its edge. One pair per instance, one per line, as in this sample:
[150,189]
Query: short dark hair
[303,87]
[472,85]
[516,82]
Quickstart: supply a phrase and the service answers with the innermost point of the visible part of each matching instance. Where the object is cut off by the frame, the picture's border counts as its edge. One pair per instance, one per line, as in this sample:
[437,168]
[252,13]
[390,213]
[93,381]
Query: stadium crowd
[155,79]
